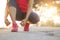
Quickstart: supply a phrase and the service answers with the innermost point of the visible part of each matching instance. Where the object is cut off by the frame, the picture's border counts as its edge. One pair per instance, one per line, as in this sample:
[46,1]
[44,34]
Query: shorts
[12,3]
[33,18]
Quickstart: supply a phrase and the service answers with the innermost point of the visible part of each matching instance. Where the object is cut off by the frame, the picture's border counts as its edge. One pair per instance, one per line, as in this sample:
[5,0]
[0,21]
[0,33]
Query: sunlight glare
[2,11]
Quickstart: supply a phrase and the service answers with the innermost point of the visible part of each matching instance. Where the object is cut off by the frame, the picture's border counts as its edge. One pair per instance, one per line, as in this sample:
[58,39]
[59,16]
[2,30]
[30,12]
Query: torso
[22,4]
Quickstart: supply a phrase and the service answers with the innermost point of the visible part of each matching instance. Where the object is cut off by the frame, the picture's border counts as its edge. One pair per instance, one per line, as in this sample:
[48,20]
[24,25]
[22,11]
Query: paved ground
[35,33]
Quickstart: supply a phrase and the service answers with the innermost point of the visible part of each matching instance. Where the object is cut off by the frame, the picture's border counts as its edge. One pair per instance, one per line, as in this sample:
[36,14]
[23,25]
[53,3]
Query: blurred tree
[48,23]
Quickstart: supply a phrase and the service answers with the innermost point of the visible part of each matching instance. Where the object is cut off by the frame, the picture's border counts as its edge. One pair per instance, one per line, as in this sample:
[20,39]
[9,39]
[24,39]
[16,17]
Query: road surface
[34,34]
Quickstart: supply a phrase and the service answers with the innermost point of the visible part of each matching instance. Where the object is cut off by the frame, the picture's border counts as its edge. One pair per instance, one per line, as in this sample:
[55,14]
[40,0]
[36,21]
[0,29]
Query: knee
[34,18]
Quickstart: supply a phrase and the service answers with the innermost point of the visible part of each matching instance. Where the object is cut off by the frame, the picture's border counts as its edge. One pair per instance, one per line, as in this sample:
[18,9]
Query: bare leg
[13,18]
[13,13]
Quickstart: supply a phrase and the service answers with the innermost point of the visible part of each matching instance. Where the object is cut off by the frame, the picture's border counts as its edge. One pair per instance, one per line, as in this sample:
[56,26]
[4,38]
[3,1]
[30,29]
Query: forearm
[30,5]
[6,11]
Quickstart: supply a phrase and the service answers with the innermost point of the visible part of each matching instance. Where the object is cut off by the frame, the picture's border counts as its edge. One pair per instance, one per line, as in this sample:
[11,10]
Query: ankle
[14,24]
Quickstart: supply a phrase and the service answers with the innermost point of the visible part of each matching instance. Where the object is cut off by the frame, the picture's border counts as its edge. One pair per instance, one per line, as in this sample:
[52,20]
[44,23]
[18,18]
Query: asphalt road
[33,34]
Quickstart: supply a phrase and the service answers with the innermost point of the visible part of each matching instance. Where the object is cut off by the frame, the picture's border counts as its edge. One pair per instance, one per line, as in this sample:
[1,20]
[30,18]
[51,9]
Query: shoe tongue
[14,24]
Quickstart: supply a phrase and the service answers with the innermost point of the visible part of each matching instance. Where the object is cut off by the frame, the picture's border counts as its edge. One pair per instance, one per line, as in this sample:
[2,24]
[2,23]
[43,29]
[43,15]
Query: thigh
[12,6]
[33,18]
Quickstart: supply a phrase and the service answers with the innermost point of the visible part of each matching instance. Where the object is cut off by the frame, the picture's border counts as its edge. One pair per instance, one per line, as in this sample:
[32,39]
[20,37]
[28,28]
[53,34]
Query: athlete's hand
[7,22]
[23,23]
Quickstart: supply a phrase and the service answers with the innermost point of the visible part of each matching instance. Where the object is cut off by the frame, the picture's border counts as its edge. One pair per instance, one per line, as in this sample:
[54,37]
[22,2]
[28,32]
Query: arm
[30,5]
[6,10]
[6,14]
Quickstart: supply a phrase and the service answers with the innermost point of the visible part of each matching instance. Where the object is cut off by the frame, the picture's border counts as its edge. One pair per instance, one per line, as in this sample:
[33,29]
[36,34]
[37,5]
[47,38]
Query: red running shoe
[14,27]
[26,28]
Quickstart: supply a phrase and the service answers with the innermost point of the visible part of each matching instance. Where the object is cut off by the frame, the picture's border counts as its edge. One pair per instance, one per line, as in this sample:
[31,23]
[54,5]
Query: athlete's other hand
[23,23]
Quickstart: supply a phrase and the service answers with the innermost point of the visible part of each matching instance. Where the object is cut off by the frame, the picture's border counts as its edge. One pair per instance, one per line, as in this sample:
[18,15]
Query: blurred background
[48,11]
